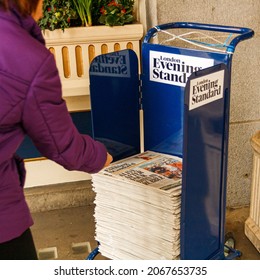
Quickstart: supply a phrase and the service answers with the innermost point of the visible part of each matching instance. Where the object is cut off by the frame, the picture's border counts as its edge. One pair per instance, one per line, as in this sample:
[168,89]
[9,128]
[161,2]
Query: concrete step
[59,196]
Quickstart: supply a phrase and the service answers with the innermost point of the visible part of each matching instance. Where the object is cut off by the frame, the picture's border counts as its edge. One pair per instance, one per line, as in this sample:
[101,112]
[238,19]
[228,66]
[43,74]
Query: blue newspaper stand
[184,97]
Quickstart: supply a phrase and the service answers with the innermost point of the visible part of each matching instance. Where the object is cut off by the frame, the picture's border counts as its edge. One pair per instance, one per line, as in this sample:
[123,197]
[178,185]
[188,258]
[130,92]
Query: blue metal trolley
[184,96]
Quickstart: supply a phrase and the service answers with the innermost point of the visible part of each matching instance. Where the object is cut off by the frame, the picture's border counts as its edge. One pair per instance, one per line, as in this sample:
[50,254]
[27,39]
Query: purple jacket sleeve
[48,123]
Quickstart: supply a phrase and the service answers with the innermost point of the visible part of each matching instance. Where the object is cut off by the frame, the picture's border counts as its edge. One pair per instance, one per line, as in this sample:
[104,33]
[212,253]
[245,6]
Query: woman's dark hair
[25,7]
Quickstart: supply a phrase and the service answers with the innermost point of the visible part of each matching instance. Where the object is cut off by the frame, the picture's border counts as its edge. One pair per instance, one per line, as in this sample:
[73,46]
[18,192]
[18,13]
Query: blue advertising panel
[165,74]
[114,87]
[203,187]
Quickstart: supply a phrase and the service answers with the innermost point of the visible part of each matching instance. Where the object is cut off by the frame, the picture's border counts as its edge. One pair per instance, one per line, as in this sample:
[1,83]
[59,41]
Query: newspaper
[163,172]
[138,202]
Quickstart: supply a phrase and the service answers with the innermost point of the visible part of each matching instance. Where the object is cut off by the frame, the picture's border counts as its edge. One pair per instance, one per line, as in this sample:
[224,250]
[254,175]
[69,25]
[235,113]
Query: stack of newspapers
[137,207]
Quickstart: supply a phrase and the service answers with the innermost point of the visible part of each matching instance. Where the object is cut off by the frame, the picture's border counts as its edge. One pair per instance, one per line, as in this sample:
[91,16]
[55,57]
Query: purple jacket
[31,103]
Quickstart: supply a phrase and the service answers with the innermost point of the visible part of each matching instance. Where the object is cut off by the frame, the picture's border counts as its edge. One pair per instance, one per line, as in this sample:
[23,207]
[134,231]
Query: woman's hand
[109,160]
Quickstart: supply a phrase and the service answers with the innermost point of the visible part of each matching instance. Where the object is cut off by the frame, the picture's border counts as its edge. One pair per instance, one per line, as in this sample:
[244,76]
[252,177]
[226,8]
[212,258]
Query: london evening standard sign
[116,64]
[206,89]
[174,69]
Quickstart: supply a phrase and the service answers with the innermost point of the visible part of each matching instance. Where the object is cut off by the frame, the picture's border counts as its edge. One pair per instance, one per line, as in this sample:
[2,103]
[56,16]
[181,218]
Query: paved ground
[71,232]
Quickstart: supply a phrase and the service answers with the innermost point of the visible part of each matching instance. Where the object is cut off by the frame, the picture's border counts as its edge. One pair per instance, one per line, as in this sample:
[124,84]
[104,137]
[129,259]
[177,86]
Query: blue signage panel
[165,73]
[203,188]
[114,87]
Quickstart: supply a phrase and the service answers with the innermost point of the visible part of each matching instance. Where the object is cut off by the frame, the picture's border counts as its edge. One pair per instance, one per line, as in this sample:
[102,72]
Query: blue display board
[114,87]
[165,74]
[204,163]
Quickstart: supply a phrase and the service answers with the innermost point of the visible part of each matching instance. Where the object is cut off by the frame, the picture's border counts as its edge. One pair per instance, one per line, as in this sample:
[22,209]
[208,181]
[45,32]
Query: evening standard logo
[206,89]
[175,69]
[114,65]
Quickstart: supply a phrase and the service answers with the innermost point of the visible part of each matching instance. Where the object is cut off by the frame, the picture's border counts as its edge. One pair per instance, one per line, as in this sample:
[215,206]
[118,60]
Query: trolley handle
[245,33]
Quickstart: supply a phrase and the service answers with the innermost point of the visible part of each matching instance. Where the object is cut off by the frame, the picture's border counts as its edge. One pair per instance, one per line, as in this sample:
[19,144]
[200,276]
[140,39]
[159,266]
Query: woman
[31,103]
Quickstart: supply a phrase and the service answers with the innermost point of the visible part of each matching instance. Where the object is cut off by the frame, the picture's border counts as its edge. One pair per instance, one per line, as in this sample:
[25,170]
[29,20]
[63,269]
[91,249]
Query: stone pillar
[252,224]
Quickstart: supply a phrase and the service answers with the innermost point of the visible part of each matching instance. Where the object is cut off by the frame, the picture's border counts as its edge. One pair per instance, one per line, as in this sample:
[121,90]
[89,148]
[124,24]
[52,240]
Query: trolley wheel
[229,247]
[230,240]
